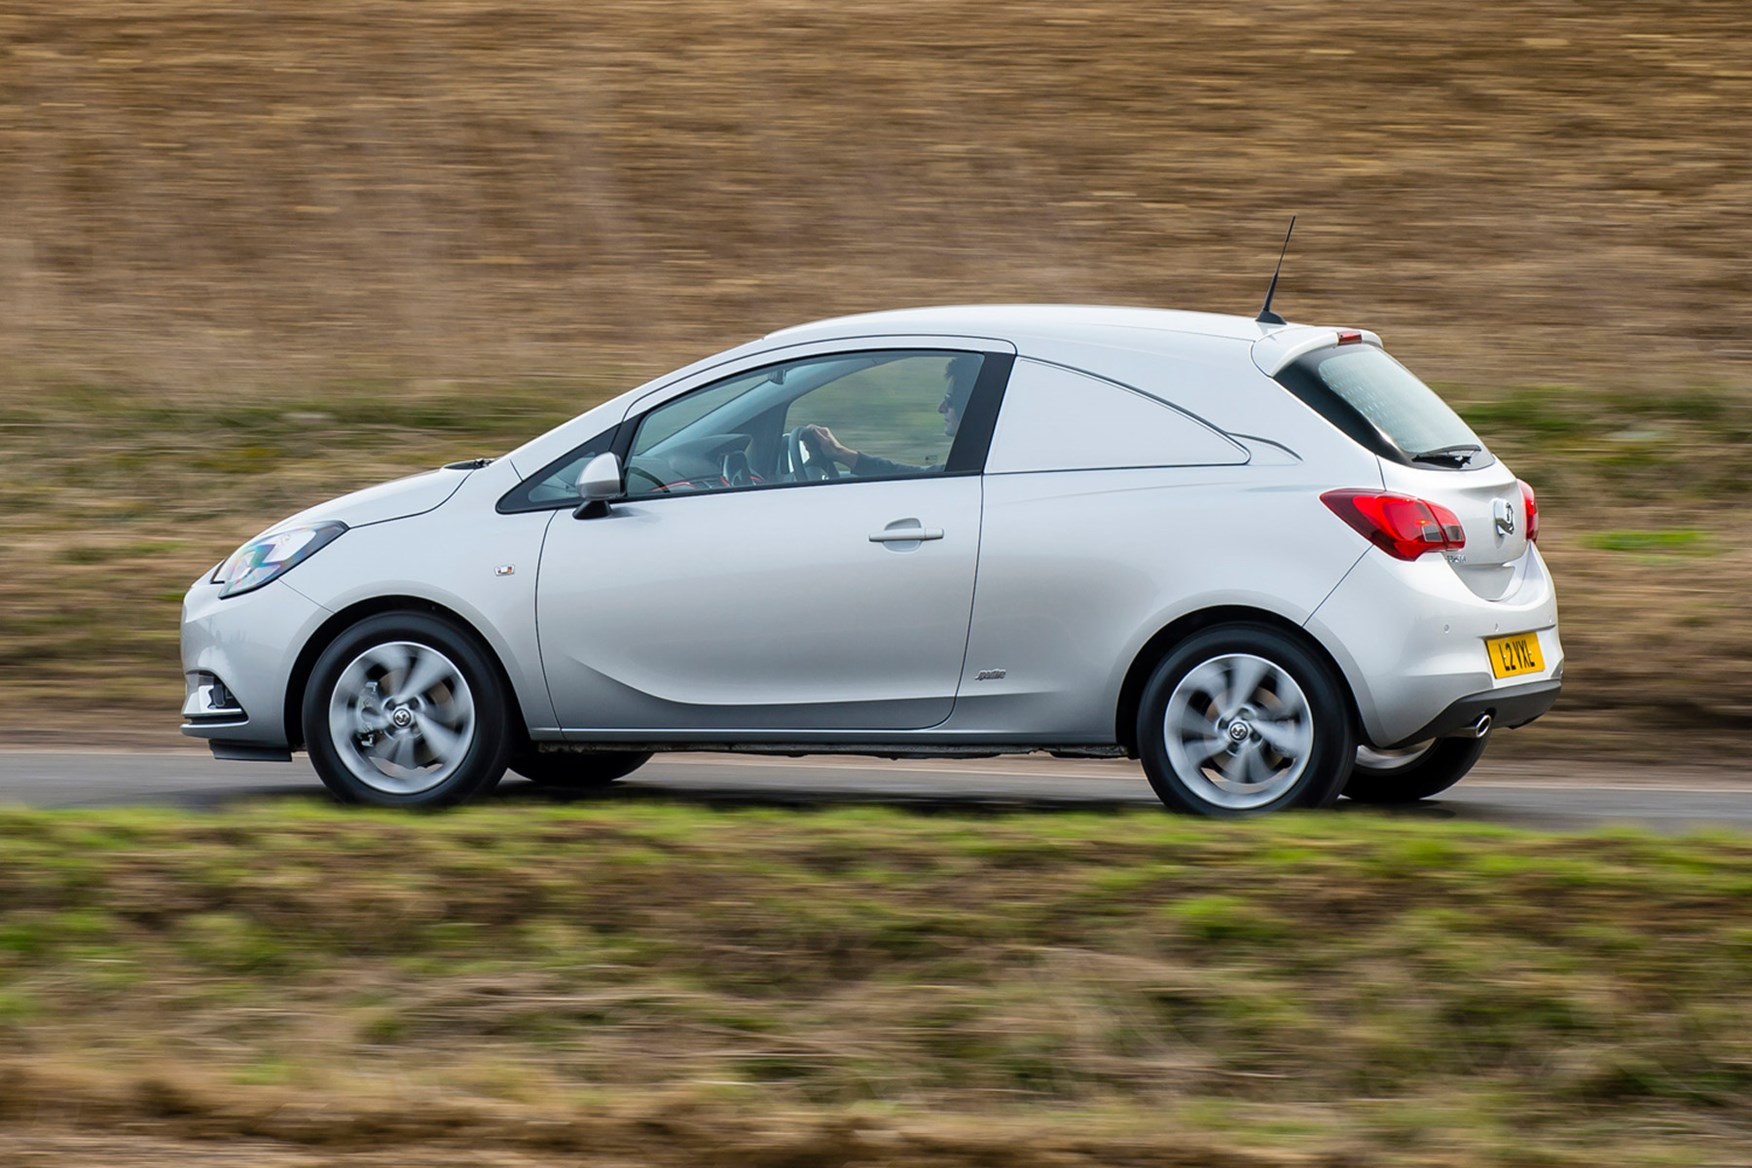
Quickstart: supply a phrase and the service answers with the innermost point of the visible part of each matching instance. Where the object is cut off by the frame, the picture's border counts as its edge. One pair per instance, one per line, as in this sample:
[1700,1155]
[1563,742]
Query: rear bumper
[1508,708]
[1410,639]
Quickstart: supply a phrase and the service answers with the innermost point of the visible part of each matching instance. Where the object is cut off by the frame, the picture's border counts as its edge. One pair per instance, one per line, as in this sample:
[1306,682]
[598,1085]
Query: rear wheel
[405,710]
[1244,719]
[578,770]
[1417,772]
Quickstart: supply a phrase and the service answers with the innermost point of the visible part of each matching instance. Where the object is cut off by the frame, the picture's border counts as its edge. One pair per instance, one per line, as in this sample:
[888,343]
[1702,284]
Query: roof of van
[1067,321]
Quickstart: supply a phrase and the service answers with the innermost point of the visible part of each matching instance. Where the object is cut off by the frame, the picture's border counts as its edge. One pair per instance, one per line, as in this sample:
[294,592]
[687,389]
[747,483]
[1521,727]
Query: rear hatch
[1426,451]
[1490,561]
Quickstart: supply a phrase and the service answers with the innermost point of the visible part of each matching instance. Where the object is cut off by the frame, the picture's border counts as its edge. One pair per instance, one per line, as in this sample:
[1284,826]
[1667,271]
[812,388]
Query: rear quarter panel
[1080,569]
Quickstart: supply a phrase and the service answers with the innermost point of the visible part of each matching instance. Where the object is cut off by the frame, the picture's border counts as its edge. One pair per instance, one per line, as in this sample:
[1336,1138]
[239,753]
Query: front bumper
[237,657]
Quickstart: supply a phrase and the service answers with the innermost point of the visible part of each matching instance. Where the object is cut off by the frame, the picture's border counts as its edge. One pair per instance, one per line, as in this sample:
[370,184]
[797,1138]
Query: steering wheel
[803,468]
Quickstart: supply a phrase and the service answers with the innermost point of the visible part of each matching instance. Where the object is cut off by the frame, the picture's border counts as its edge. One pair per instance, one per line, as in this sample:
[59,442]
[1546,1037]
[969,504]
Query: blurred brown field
[252,255]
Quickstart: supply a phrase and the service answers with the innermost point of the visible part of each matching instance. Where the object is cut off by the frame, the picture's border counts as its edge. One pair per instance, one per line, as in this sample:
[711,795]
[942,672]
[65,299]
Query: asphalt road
[1565,796]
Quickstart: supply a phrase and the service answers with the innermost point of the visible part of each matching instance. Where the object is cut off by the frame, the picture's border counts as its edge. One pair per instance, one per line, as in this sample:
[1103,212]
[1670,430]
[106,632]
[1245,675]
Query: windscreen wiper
[1459,454]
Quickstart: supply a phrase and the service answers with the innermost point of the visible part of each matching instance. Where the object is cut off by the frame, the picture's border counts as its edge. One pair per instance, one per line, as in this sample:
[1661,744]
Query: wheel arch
[1164,641]
[346,618]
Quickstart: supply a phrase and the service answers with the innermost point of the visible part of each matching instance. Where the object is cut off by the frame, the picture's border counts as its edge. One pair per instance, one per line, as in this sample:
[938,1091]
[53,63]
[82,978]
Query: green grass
[1353,986]
[1682,541]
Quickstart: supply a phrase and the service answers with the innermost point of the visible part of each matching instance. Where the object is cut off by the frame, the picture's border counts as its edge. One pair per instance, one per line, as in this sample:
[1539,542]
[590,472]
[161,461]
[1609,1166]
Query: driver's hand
[823,441]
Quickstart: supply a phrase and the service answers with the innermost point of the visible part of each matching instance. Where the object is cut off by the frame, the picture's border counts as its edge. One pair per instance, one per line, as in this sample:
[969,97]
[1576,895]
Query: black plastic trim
[973,441]
[761,488]
[1508,707]
[248,752]
[798,748]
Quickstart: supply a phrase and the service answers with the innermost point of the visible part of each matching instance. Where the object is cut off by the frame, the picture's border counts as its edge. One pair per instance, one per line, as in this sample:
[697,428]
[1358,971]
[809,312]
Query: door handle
[906,534]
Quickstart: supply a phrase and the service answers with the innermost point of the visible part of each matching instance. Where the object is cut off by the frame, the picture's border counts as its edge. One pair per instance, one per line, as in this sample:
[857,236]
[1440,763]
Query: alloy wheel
[1239,731]
[401,717]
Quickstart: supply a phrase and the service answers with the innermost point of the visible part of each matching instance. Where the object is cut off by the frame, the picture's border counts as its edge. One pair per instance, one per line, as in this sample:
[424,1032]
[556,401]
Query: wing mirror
[599,484]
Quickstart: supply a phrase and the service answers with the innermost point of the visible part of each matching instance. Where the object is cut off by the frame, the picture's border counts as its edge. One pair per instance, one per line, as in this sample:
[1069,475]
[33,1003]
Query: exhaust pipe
[1472,731]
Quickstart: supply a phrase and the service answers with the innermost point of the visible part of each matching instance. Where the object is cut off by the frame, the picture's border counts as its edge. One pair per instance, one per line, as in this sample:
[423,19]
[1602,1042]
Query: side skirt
[873,750]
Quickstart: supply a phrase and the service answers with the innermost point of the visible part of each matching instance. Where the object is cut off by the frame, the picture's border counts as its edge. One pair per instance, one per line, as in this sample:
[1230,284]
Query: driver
[959,376]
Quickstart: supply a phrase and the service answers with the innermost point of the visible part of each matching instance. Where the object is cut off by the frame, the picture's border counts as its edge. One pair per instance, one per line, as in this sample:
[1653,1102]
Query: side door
[752,581]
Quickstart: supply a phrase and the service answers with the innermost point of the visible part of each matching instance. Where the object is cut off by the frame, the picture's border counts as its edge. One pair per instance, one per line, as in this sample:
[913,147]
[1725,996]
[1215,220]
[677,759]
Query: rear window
[1383,406]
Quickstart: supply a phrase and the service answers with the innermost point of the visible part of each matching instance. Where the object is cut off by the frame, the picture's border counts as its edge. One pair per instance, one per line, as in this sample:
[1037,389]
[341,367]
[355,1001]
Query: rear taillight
[1530,509]
[1399,525]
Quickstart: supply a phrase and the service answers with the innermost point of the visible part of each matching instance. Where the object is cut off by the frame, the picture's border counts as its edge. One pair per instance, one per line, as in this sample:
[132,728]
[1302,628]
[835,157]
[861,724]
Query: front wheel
[405,710]
[1245,719]
[1405,776]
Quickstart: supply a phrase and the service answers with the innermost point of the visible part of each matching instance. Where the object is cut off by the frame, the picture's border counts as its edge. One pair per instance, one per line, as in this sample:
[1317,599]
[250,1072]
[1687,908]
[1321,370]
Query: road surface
[1552,795]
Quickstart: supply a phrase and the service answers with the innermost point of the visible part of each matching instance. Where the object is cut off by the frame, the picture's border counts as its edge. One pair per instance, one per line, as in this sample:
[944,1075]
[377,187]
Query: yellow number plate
[1516,655]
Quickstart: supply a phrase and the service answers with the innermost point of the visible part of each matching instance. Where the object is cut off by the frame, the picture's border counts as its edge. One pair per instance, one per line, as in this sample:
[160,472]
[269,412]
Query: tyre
[578,770]
[1405,776]
[1242,720]
[406,710]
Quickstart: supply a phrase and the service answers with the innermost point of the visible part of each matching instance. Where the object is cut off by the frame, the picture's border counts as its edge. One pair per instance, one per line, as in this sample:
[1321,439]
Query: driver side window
[879,414]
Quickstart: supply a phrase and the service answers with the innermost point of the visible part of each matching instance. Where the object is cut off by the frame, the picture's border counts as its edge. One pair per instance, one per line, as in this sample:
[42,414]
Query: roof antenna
[1266,315]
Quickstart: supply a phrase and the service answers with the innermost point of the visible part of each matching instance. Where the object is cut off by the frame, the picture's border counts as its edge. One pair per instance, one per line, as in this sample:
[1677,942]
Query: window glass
[1058,419]
[849,415]
[1391,396]
[666,421]
[559,483]
[888,411]
[1380,403]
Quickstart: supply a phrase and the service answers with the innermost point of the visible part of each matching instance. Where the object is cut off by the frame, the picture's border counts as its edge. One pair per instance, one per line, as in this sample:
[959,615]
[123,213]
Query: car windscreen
[1383,406]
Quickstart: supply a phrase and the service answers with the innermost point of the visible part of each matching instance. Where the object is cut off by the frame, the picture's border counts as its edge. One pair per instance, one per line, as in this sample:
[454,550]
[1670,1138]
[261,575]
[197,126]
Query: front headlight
[261,560]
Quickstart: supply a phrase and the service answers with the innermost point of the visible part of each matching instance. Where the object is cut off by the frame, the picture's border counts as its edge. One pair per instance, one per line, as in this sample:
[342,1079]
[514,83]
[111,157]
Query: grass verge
[682,985]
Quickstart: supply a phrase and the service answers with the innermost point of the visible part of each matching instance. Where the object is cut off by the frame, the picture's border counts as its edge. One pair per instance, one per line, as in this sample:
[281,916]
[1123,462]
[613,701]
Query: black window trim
[979,421]
[517,500]
[967,455]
